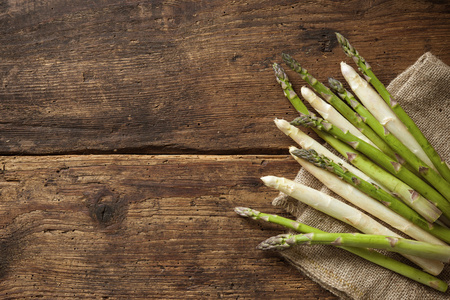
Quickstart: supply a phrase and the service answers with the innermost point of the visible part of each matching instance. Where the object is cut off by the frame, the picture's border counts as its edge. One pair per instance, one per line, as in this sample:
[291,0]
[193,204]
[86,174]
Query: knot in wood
[106,207]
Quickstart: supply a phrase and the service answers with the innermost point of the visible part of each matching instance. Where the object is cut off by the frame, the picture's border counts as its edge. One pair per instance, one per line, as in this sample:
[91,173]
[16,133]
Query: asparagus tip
[245,211]
[293,64]
[279,72]
[310,120]
[343,41]
[346,69]
[336,85]
[279,242]
[270,181]
[298,152]
[346,46]
[283,125]
[339,36]
[286,56]
[306,92]
[312,156]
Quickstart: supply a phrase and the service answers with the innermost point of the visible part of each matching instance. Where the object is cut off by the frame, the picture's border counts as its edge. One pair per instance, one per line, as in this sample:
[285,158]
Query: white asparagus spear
[382,112]
[366,203]
[330,114]
[307,142]
[343,212]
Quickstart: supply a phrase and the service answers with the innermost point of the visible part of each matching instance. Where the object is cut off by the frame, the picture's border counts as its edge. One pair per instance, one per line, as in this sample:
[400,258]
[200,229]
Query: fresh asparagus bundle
[404,191]
[337,103]
[393,244]
[364,66]
[294,99]
[373,102]
[425,208]
[397,155]
[343,212]
[387,199]
[372,256]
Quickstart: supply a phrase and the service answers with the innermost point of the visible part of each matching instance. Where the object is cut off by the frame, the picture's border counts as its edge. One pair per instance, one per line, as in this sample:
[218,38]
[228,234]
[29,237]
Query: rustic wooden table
[130,130]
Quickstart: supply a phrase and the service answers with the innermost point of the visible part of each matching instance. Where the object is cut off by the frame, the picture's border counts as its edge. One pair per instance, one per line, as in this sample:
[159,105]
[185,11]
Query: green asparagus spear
[375,192]
[393,244]
[440,165]
[374,257]
[425,208]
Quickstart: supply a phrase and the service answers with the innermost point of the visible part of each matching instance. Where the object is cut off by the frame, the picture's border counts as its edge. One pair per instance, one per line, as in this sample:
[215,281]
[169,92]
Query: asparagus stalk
[332,115]
[425,208]
[408,223]
[372,256]
[384,179]
[392,244]
[342,212]
[431,153]
[373,102]
[337,103]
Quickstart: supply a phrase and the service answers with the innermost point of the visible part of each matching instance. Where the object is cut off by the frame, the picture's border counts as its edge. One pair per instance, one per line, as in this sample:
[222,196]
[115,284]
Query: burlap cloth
[423,90]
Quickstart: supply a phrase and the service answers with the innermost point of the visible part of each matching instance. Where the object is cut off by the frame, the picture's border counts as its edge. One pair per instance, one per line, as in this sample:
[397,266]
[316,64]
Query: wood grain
[184,77]
[115,227]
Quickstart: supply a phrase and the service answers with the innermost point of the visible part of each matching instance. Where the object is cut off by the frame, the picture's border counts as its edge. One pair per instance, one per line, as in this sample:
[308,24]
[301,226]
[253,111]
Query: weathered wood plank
[184,76]
[116,227]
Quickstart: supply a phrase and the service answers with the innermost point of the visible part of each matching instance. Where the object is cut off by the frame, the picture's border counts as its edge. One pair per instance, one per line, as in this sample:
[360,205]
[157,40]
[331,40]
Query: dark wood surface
[131,129]
[121,227]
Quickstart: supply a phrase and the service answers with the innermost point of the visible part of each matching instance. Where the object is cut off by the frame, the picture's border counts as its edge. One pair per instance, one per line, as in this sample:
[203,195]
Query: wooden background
[129,130]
